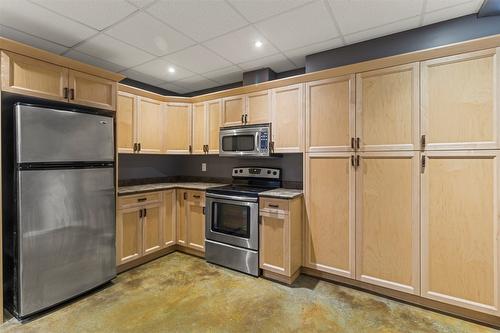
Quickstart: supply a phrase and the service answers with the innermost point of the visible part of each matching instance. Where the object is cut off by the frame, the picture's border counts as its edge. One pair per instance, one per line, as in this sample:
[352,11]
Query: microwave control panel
[264,140]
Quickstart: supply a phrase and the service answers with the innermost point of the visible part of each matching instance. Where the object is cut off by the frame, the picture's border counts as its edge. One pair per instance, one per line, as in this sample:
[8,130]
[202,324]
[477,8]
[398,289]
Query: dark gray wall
[151,166]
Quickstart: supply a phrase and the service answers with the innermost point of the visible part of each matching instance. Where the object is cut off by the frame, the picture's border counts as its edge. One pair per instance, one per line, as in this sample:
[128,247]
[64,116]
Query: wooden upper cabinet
[152,222]
[288,119]
[150,128]
[90,90]
[460,107]
[169,217]
[258,107]
[199,128]
[214,123]
[329,230]
[128,235]
[28,76]
[460,229]
[330,108]
[387,108]
[387,220]
[233,110]
[125,122]
[177,124]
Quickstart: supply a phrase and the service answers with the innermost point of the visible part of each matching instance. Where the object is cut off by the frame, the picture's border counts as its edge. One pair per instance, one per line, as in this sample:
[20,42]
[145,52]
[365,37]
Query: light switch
[203,166]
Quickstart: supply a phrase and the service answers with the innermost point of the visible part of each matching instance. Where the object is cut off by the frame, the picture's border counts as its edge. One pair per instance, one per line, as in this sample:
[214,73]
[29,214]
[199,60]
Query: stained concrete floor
[181,293]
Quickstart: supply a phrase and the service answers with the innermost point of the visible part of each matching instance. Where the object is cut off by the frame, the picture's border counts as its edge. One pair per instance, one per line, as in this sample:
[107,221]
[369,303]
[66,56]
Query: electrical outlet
[203,166]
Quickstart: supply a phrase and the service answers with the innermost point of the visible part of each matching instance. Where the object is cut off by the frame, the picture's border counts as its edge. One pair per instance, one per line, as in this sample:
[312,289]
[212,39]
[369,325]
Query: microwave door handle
[257,142]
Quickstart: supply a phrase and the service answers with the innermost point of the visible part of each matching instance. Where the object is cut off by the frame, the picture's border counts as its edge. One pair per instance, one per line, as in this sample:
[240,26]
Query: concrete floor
[181,293]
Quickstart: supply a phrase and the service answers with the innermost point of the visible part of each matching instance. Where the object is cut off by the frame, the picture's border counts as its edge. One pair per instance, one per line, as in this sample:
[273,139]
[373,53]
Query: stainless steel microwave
[249,140]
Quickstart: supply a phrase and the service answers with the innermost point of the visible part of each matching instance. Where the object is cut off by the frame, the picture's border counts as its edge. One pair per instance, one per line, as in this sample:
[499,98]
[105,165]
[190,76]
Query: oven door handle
[231,197]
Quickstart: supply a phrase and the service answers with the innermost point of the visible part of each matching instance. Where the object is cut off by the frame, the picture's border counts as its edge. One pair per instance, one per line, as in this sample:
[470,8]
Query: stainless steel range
[232,218]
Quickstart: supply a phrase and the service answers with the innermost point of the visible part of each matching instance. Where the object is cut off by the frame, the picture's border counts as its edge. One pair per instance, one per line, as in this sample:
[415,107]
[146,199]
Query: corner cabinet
[28,76]
[191,219]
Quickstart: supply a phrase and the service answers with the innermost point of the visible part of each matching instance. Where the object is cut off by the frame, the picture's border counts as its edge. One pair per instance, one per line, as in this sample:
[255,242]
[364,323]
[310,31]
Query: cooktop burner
[251,191]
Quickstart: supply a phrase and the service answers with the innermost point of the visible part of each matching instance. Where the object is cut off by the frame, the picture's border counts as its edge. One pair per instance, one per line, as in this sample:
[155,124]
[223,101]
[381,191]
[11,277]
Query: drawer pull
[274,206]
[141,199]
[196,196]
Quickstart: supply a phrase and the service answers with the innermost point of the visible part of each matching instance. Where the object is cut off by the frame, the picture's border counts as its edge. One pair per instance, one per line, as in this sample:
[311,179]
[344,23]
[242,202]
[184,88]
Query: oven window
[238,143]
[231,219]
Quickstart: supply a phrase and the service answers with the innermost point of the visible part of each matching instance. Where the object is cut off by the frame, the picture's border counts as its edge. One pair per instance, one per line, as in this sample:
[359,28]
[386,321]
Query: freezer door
[50,135]
[66,234]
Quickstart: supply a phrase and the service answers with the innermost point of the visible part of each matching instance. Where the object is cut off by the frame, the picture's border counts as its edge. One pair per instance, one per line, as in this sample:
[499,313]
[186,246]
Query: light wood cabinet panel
[125,122]
[288,119]
[387,220]
[329,190]
[233,110]
[199,128]
[177,124]
[196,225]
[387,108]
[460,252]
[24,75]
[149,131]
[330,114]
[90,90]
[182,203]
[169,217]
[152,228]
[128,235]
[258,107]
[214,124]
[460,101]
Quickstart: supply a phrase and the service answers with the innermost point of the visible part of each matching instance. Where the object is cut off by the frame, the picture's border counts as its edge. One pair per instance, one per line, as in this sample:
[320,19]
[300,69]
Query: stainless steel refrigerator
[60,235]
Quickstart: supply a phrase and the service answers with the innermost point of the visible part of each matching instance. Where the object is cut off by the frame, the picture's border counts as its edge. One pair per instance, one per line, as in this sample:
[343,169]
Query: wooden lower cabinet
[128,235]
[460,229]
[191,219]
[169,217]
[280,249]
[387,220]
[152,228]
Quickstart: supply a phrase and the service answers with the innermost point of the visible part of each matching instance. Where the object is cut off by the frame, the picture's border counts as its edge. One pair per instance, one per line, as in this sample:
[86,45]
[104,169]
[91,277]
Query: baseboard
[190,251]
[280,278]
[149,257]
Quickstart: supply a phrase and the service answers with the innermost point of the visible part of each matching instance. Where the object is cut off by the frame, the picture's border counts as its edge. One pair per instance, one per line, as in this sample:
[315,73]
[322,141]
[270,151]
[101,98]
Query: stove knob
[275,173]
[268,172]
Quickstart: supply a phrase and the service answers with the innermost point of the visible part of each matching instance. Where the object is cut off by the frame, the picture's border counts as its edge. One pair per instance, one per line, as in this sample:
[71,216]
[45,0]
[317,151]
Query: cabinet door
[125,122]
[330,114]
[177,122]
[149,125]
[152,222]
[288,119]
[28,76]
[233,110]
[91,91]
[387,108]
[196,220]
[274,242]
[258,107]
[460,252]
[329,239]
[128,235]
[460,101]
[214,124]
[182,217]
[387,220]
[169,217]
[199,128]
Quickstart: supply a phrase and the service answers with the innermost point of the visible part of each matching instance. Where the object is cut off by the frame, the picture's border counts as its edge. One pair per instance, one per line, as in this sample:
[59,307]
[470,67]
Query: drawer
[272,205]
[138,199]
[196,196]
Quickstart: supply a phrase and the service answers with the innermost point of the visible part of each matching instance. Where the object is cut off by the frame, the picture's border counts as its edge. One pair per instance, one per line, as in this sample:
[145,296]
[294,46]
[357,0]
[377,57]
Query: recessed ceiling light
[258,43]
[171,69]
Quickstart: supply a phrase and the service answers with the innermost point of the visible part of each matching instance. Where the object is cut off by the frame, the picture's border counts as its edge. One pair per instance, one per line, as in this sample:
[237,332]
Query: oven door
[232,220]
[244,141]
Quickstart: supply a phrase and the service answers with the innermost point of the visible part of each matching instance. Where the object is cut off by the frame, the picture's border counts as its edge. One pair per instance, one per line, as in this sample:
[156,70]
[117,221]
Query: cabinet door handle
[140,214]
[145,212]
[273,206]
[190,149]
[423,163]
[352,143]
[422,141]
[185,195]
[242,121]
[246,118]
[203,210]
[207,150]
[357,143]
[65,93]
[72,94]
[353,163]
[135,147]
[141,199]
[357,161]
[139,146]
[196,196]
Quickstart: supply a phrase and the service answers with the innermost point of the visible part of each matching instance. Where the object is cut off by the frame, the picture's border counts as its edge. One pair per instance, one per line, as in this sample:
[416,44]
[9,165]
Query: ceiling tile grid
[191,45]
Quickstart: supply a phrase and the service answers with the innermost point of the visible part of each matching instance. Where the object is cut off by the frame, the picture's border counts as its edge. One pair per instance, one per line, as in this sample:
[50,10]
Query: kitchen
[230,165]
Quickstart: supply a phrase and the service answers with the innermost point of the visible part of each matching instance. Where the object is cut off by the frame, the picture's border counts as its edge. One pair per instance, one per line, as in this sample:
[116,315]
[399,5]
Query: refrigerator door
[50,135]
[66,234]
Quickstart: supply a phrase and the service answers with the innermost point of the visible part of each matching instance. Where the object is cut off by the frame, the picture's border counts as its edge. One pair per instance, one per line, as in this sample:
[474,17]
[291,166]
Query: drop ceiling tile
[432,5]
[141,3]
[198,59]
[299,27]
[93,61]
[298,56]
[383,30]
[20,36]
[451,12]
[226,75]
[259,10]
[174,88]
[196,83]
[158,69]
[238,46]
[138,76]
[201,20]
[355,16]
[38,21]
[277,62]
[107,48]
[149,34]
[98,14]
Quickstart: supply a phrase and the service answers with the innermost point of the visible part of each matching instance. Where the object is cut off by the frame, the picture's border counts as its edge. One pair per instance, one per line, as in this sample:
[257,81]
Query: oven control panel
[257,172]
